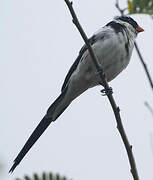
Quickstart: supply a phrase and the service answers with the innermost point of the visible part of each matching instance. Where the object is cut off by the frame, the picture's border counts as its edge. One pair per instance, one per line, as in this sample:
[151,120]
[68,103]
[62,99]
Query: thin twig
[138,51]
[107,91]
[149,107]
[144,65]
[118,7]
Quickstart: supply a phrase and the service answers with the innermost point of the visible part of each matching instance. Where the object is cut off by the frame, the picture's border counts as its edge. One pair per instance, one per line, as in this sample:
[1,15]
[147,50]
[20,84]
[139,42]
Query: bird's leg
[107,92]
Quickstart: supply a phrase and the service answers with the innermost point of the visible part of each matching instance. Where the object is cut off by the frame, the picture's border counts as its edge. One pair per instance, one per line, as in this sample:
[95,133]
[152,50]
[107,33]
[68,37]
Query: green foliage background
[140,7]
[43,176]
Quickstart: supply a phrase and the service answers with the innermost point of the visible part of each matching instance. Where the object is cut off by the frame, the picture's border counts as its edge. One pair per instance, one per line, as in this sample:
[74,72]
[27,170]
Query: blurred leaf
[140,6]
[44,176]
[36,177]
[57,177]
[129,6]
[50,176]
[26,178]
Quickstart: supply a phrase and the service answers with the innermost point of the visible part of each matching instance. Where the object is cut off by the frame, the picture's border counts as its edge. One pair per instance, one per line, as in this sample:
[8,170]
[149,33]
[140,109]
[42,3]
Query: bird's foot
[106,92]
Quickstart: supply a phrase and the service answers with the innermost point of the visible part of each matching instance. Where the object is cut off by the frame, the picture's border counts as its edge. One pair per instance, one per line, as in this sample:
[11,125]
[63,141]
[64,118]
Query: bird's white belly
[112,64]
[113,60]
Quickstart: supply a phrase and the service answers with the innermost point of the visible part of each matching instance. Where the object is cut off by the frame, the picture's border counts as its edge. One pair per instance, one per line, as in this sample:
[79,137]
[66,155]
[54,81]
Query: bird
[113,45]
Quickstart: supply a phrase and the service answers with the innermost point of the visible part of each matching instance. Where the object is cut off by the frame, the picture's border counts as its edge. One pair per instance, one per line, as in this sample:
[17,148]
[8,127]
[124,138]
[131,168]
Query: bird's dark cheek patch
[116,26]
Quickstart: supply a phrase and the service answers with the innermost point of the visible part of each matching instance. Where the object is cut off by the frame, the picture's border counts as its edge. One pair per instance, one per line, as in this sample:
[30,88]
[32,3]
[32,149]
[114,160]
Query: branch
[118,7]
[144,65]
[107,90]
[149,107]
[138,51]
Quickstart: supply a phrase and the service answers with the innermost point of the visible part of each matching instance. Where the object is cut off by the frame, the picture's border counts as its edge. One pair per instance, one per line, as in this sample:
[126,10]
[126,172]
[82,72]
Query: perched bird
[113,45]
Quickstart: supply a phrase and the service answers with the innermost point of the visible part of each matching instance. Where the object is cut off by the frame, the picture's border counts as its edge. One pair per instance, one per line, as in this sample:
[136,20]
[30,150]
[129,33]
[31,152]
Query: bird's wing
[92,40]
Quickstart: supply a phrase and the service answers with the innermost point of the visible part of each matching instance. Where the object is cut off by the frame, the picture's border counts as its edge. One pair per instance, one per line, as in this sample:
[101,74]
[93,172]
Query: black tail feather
[44,123]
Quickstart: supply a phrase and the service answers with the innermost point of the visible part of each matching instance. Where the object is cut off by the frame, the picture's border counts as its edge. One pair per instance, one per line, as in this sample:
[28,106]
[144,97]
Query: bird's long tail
[54,111]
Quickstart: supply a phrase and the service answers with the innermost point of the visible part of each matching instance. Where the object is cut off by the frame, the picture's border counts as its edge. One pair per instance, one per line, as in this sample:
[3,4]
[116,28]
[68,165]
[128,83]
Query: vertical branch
[108,91]
[149,107]
[144,65]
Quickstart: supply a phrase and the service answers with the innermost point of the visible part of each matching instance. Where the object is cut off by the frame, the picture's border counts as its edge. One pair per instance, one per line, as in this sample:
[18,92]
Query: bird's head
[130,24]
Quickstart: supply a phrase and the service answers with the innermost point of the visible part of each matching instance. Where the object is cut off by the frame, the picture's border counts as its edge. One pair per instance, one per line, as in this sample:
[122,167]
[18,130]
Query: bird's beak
[139,29]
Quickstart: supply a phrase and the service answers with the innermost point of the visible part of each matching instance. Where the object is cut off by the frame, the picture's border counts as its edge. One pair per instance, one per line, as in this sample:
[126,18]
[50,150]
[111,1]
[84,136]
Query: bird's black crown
[128,20]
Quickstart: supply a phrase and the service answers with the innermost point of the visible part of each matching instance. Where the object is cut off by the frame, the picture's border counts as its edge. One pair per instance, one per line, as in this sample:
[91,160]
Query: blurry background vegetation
[43,176]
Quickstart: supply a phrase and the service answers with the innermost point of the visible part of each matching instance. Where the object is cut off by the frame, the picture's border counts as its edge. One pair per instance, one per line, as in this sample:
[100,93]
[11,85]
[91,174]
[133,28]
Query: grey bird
[113,45]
